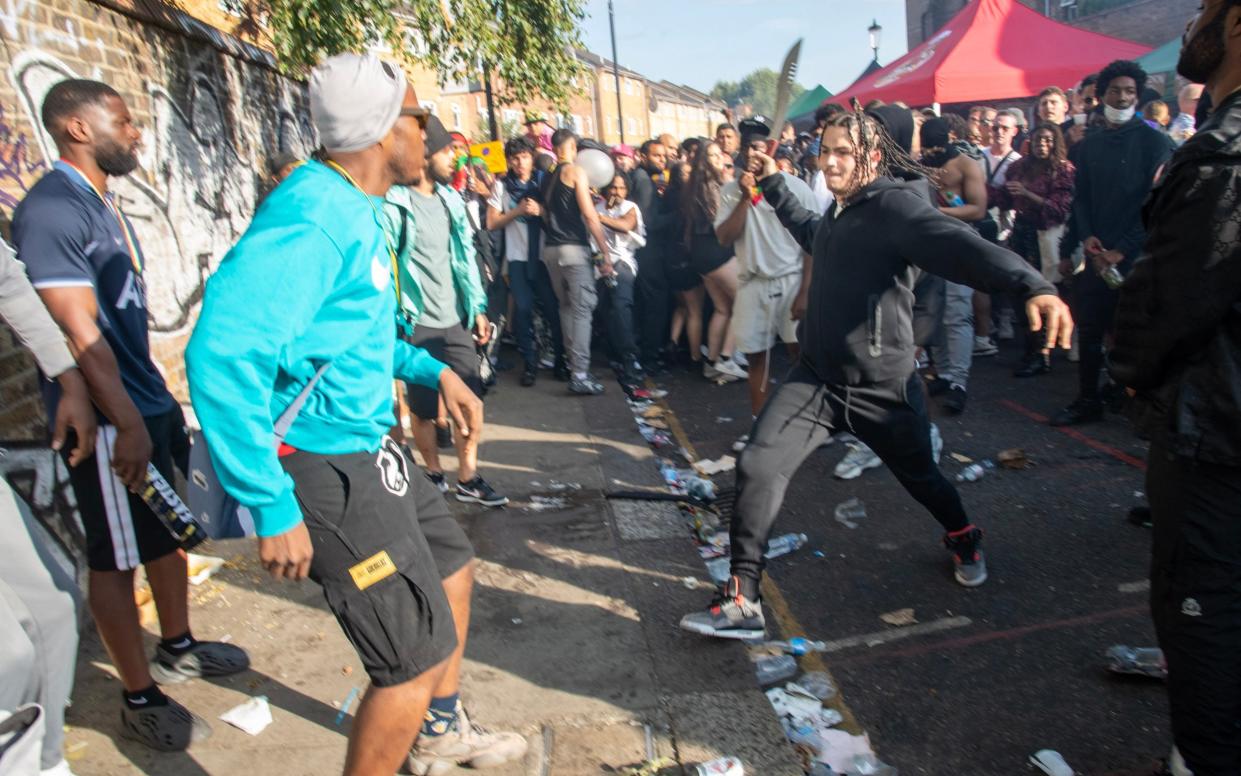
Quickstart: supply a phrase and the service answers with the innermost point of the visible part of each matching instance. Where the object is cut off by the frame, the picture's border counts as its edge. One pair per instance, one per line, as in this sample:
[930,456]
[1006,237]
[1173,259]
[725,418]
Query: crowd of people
[886,249]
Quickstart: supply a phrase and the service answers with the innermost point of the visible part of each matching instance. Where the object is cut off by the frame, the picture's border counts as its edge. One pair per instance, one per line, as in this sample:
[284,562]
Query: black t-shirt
[68,237]
[563,218]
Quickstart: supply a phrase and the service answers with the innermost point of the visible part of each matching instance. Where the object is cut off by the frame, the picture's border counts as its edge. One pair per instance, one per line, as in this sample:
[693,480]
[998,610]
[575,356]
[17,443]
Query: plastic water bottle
[775,669]
[818,684]
[157,494]
[975,472]
[703,490]
[783,545]
[798,646]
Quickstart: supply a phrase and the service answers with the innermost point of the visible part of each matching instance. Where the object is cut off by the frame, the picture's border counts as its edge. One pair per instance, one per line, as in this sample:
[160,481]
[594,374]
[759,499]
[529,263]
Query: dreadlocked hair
[867,135]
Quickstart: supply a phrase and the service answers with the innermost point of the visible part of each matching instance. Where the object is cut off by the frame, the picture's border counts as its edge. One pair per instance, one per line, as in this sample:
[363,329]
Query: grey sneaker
[167,728]
[588,387]
[477,491]
[205,658]
[437,479]
[465,744]
[857,460]
[970,565]
[730,616]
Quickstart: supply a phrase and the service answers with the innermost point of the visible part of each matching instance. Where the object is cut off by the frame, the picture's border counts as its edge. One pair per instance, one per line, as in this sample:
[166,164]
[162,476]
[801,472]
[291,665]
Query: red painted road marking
[1073,433]
[983,638]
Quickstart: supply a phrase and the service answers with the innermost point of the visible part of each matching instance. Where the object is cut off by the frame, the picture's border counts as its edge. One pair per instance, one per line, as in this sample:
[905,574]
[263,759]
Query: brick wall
[211,109]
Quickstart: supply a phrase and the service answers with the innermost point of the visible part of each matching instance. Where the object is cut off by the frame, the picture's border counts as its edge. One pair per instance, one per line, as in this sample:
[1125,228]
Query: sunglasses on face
[419,114]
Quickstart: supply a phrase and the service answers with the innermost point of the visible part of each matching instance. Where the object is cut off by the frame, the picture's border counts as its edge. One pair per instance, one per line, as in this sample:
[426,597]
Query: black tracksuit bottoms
[890,417]
[1196,604]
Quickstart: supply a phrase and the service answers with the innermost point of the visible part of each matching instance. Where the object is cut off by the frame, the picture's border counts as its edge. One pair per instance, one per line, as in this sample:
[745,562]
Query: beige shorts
[763,312]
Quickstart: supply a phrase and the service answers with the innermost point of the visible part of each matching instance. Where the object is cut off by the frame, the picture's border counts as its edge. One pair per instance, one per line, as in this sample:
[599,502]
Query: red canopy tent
[992,50]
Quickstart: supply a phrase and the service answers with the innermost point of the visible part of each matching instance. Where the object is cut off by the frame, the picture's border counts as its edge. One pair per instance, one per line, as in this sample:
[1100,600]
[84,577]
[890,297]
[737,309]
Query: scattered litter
[226,638]
[1051,763]
[1140,661]
[900,617]
[723,419]
[691,583]
[202,567]
[654,437]
[557,487]
[975,472]
[961,458]
[252,716]
[346,671]
[345,704]
[719,569]
[648,393]
[703,490]
[819,554]
[818,684]
[649,767]
[1139,494]
[1015,458]
[546,503]
[775,669]
[536,484]
[656,423]
[783,545]
[725,766]
[75,752]
[848,512]
[717,547]
[708,467]
[795,703]
[516,621]
[796,646]
[652,412]
[839,750]
[870,765]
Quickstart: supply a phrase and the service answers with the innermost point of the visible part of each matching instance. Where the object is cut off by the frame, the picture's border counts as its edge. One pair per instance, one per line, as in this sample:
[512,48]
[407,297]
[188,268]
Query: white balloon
[598,166]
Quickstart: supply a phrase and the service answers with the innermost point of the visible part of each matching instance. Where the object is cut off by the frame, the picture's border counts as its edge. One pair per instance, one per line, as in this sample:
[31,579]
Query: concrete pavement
[574,639]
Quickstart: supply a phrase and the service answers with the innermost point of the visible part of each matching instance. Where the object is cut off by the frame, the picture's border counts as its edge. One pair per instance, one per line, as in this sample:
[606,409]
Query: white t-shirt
[765,247]
[516,233]
[999,165]
[822,194]
[622,245]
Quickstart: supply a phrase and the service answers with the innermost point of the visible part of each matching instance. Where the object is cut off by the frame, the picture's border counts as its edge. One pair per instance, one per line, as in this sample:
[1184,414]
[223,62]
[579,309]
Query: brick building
[1153,22]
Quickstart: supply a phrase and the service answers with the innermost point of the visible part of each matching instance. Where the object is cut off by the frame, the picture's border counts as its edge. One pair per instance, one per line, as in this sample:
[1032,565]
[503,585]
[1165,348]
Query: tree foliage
[758,89]
[527,44]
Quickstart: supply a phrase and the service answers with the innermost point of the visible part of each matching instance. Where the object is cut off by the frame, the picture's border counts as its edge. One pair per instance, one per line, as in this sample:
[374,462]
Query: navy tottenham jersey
[67,236]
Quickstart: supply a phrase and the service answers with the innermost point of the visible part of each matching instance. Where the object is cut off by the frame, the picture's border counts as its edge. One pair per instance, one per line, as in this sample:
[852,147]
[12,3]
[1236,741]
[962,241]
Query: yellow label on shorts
[373,569]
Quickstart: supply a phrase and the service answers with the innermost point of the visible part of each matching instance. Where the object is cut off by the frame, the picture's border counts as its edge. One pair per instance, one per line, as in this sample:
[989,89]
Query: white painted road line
[896,634]
[1135,587]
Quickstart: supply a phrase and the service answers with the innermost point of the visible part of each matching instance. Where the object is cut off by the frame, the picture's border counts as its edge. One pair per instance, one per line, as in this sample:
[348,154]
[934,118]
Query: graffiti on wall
[41,478]
[198,191]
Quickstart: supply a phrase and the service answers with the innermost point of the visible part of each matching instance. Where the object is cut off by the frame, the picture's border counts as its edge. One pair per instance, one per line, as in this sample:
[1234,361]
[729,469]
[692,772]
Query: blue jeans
[531,286]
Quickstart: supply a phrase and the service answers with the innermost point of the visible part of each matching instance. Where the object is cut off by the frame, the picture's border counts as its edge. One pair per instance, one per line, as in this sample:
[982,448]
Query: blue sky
[699,42]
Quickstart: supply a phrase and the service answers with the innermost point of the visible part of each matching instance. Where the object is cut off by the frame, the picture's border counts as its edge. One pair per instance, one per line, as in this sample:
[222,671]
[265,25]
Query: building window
[512,116]
[590,126]
[629,125]
[628,87]
[575,122]
[456,117]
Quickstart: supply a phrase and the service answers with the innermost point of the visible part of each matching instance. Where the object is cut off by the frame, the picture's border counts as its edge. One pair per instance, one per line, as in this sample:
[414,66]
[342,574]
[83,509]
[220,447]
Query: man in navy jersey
[84,259]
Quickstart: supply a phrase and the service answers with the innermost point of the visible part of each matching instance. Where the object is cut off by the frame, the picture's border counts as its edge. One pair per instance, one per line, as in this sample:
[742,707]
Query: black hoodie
[858,327]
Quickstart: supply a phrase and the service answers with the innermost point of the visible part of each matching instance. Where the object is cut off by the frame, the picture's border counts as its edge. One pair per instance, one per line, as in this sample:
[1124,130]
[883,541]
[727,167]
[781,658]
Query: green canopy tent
[801,111]
[1160,65]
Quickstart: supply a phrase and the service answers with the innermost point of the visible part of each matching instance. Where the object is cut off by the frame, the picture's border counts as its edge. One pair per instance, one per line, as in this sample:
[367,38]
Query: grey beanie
[354,100]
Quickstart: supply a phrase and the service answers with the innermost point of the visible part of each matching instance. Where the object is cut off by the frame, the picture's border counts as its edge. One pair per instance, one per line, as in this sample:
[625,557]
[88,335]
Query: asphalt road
[1067,580]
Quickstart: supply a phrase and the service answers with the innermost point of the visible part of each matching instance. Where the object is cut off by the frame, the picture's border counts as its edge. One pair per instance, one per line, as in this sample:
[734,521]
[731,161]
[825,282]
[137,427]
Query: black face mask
[941,156]
[1204,54]
[114,159]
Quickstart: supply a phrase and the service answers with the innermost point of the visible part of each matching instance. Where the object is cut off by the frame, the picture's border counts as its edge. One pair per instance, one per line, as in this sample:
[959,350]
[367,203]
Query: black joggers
[1196,604]
[890,417]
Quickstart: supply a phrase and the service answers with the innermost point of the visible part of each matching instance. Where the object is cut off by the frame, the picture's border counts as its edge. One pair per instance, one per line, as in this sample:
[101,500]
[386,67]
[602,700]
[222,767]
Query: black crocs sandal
[205,658]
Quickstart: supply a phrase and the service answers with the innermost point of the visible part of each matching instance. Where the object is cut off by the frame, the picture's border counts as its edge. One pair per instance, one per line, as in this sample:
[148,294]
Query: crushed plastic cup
[818,684]
[770,670]
[848,512]
[870,765]
[975,472]
[1141,661]
[783,545]
[1050,762]
[724,766]
[699,488]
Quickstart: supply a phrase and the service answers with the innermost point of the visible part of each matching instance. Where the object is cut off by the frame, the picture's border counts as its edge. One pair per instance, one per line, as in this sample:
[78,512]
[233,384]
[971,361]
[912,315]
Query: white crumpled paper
[253,716]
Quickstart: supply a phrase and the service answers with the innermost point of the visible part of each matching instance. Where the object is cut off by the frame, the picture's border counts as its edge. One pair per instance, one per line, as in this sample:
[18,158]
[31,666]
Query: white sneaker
[741,360]
[741,442]
[983,346]
[857,460]
[709,371]
[730,370]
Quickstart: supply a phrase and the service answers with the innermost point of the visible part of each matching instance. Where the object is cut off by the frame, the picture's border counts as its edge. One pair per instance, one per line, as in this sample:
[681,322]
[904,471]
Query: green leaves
[528,44]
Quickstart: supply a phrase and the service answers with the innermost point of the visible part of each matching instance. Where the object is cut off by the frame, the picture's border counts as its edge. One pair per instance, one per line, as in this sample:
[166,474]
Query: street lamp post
[620,119]
[875,31]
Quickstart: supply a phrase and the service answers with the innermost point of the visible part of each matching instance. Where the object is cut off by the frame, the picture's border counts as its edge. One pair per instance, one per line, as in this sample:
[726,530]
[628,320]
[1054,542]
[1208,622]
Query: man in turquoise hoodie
[442,297]
[313,283]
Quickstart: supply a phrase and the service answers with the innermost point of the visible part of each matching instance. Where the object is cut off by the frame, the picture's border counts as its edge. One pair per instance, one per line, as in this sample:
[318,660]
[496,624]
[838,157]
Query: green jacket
[402,232]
